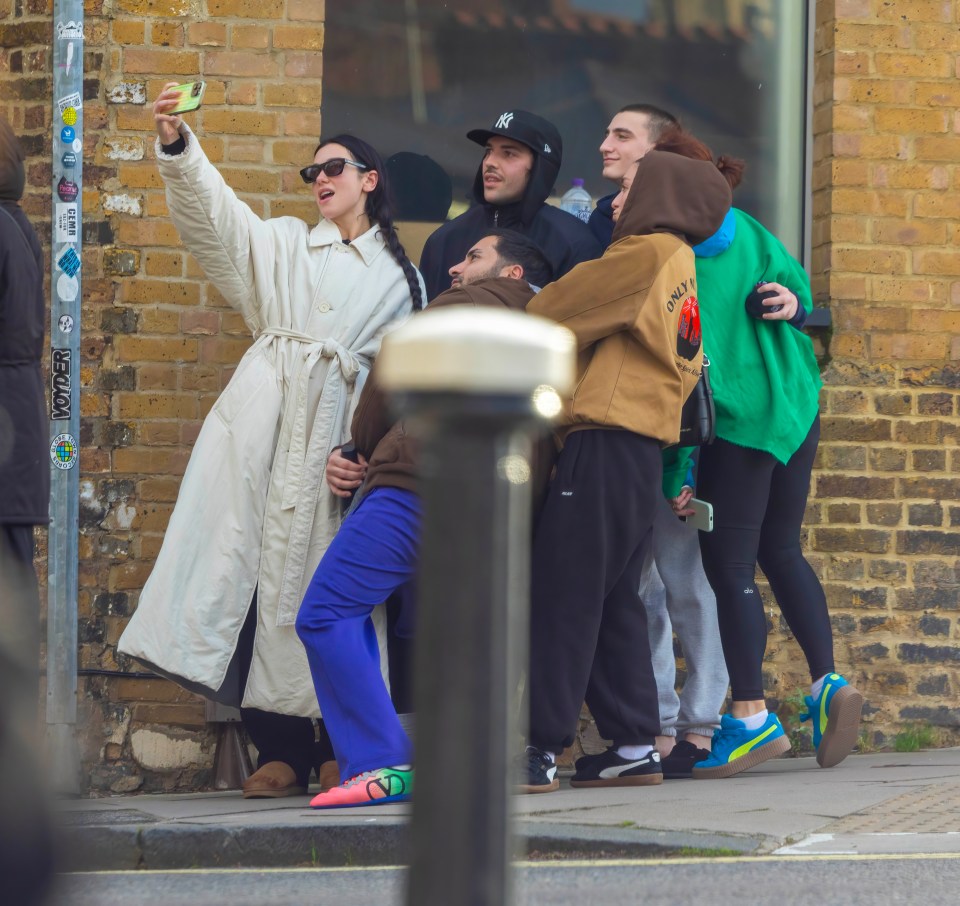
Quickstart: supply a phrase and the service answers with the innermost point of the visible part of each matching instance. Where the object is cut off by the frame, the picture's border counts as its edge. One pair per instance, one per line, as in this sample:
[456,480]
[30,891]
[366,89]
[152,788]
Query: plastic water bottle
[577,201]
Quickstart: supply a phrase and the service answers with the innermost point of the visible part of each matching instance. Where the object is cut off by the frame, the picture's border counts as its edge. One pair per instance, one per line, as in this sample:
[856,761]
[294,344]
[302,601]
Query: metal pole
[65,394]
[472,384]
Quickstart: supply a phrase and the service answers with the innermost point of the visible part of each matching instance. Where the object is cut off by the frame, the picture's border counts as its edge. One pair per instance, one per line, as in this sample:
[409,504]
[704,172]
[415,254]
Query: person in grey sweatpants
[678,599]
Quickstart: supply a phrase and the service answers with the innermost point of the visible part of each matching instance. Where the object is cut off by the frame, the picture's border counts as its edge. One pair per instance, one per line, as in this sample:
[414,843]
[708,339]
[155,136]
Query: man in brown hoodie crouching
[375,552]
[636,318]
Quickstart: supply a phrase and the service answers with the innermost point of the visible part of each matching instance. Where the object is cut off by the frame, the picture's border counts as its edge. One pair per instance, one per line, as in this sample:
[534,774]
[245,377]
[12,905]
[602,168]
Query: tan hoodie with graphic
[634,311]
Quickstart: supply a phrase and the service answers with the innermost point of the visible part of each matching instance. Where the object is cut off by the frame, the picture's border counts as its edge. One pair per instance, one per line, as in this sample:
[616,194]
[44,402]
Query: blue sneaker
[835,713]
[735,748]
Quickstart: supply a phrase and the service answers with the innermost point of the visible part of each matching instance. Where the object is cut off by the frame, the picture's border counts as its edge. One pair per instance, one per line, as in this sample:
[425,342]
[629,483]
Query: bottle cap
[577,181]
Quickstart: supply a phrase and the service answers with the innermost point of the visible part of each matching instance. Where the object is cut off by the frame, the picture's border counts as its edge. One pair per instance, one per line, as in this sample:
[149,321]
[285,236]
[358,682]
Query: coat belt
[307,457]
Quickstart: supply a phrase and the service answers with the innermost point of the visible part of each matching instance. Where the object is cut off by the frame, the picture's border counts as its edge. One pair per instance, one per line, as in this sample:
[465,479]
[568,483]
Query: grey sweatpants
[678,599]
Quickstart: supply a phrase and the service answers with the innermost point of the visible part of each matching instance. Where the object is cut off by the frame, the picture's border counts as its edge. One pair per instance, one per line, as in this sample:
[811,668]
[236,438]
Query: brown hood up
[11,164]
[674,194]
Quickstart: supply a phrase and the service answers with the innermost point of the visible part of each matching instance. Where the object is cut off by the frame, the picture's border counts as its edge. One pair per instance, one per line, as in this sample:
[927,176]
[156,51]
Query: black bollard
[473,386]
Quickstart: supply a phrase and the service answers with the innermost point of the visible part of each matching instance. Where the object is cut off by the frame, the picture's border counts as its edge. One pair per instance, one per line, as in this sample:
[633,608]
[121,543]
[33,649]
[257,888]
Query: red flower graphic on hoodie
[688,331]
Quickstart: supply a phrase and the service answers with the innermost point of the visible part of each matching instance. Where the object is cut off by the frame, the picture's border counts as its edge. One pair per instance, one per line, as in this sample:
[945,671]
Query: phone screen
[191,95]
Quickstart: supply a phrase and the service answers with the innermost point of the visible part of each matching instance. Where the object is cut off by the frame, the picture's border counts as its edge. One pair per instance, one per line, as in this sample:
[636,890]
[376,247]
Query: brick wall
[159,344]
[884,521]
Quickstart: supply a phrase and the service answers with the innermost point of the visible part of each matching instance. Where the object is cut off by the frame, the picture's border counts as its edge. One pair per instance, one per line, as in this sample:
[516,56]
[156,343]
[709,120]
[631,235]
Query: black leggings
[758,507]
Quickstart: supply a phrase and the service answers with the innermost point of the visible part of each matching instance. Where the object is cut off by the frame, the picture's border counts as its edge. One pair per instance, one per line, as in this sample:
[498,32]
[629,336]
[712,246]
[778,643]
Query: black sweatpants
[588,626]
[758,507]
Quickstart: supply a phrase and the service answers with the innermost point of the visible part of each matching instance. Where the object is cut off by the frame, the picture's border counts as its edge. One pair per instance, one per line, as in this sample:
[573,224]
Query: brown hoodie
[634,311]
[390,451]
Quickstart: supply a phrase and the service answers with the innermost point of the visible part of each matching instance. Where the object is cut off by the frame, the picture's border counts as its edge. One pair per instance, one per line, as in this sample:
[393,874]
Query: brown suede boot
[329,775]
[274,780]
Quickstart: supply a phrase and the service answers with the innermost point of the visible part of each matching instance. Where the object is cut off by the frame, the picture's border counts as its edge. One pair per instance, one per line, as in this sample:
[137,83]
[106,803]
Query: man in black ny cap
[521,159]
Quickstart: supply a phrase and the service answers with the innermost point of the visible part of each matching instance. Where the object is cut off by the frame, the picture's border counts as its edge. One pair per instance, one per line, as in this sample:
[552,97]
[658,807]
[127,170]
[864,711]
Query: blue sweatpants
[373,555]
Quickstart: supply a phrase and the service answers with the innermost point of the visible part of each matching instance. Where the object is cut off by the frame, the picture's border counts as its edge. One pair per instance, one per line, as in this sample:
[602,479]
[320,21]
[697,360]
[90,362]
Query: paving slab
[878,803]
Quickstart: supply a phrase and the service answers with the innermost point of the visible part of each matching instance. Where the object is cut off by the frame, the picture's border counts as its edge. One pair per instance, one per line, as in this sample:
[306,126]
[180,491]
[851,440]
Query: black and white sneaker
[537,772]
[610,769]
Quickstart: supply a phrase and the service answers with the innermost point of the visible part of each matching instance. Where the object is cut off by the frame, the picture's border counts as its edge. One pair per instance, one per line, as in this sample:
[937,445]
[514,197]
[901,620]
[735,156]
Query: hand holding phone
[191,96]
[702,517]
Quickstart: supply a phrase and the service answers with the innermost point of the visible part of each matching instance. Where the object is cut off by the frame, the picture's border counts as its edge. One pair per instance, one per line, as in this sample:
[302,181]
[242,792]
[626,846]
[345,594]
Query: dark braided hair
[379,207]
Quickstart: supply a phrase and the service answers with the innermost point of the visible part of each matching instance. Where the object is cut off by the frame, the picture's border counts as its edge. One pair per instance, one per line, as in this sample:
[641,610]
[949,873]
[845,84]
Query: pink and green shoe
[379,787]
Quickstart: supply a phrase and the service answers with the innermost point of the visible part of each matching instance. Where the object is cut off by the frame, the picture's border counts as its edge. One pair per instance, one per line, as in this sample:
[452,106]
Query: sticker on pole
[74,100]
[66,322]
[68,134]
[70,116]
[67,189]
[63,451]
[68,30]
[68,288]
[61,384]
[65,223]
[69,261]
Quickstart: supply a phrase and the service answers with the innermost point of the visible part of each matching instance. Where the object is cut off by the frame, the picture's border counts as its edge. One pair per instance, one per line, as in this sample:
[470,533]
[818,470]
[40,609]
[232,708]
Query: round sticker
[63,451]
[65,323]
[67,289]
[77,145]
[67,190]
[70,116]
[69,159]
[67,134]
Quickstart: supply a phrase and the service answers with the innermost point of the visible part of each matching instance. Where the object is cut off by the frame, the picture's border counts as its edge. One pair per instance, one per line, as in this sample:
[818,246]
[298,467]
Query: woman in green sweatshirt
[766,386]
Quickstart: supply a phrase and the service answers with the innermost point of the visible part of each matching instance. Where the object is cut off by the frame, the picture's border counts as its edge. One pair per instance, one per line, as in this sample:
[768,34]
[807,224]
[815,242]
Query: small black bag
[698,417]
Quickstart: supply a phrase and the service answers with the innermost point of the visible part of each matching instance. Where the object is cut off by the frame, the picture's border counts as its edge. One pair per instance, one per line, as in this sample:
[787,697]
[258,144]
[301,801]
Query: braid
[389,233]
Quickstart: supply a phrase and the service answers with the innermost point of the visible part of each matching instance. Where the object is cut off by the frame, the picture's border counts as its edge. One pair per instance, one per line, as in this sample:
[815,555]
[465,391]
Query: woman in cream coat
[254,514]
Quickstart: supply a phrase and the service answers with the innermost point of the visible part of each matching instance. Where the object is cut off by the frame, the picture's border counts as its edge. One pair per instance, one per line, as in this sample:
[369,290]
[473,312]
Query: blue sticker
[67,134]
[69,261]
[69,160]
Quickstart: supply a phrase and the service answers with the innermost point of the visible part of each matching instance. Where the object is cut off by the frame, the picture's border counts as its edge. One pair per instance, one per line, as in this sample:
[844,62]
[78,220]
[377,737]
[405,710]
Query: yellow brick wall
[884,520]
[159,343]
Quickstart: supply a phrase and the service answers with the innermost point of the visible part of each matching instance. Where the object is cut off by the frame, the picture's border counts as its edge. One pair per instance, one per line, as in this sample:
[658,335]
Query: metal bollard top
[478,351]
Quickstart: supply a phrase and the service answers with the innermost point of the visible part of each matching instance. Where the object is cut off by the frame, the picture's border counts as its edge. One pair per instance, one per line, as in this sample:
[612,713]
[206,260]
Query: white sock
[756,721]
[634,753]
[816,688]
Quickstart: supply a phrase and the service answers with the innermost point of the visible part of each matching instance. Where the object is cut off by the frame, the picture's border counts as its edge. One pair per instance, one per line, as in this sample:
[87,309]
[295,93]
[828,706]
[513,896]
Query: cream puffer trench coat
[254,511]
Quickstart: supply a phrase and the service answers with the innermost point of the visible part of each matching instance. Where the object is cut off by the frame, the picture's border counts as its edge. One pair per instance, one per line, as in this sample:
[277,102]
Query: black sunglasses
[332,167]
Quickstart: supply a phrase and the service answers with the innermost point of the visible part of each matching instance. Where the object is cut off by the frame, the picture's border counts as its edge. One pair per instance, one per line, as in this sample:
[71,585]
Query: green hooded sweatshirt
[764,375]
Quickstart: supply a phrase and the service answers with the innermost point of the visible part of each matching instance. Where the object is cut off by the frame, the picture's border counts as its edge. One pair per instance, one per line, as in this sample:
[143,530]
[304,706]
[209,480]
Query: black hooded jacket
[24,469]
[564,239]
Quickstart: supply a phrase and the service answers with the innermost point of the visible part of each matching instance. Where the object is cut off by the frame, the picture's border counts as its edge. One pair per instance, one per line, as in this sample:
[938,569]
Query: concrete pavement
[886,803]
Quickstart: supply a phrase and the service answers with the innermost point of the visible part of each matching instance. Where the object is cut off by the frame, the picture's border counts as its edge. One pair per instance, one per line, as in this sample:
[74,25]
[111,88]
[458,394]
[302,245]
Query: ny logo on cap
[504,121]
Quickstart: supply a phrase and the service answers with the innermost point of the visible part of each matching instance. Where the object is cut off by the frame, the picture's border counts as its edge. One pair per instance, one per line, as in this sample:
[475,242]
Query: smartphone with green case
[191,96]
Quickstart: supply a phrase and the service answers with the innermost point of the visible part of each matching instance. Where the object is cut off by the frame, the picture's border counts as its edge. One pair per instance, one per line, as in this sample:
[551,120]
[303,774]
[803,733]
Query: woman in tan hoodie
[634,312]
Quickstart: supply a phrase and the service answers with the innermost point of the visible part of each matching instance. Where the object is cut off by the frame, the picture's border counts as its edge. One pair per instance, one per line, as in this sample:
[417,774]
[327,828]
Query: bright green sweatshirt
[764,375]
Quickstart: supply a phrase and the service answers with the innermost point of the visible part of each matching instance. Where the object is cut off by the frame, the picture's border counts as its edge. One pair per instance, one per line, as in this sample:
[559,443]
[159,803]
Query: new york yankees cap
[527,128]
